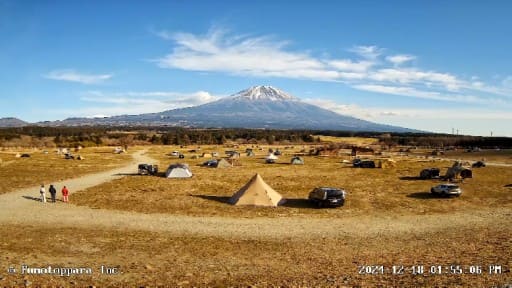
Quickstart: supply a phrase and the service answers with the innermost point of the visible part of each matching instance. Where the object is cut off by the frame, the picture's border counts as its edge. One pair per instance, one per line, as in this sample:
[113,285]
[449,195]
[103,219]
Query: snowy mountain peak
[267,93]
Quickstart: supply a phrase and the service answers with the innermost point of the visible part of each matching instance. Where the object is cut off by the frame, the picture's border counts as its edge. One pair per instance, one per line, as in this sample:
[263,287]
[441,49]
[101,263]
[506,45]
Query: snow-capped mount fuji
[262,93]
[257,107]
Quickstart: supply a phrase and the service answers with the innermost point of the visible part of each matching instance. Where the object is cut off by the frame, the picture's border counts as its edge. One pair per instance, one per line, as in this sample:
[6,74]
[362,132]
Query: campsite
[186,231]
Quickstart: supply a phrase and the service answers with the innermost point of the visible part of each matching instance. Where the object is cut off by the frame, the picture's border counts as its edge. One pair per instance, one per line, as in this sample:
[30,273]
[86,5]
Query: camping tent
[250,153]
[296,160]
[271,158]
[458,170]
[257,192]
[223,163]
[178,171]
[234,155]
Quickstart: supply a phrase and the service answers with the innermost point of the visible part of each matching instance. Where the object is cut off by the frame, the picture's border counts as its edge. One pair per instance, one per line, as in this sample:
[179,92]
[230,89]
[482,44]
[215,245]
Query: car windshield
[333,192]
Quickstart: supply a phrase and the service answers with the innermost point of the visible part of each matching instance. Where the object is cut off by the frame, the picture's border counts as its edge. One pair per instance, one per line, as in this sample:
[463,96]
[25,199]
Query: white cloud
[407,76]
[218,51]
[368,52]
[141,102]
[257,56]
[344,109]
[349,65]
[413,92]
[400,58]
[73,76]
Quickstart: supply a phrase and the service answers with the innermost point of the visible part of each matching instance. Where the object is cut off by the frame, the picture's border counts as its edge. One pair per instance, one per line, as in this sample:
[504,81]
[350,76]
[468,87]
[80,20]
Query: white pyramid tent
[258,193]
[178,171]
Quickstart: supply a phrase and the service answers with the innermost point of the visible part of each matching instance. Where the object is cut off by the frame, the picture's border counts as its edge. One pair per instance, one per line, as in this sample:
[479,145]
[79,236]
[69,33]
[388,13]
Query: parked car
[148,169]
[446,190]
[358,163]
[210,163]
[478,164]
[175,153]
[327,197]
[430,173]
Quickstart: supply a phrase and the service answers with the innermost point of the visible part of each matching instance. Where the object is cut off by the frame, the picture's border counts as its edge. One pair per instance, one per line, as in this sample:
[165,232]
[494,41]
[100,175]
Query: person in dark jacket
[53,192]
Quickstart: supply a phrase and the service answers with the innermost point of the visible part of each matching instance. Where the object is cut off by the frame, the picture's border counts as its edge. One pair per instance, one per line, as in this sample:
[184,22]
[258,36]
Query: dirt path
[20,207]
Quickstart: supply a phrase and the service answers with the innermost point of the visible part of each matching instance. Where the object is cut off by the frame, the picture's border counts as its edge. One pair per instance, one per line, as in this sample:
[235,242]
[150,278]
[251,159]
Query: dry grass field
[497,156]
[165,260]
[377,191]
[46,167]
[389,219]
[358,141]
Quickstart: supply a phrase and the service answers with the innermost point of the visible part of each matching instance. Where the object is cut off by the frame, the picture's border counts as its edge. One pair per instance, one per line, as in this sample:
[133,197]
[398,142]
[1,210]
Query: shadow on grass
[410,178]
[298,203]
[38,199]
[127,174]
[221,199]
[426,195]
[508,185]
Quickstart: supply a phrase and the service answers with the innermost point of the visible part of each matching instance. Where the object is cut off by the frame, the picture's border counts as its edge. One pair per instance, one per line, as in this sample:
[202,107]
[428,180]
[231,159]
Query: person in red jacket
[65,193]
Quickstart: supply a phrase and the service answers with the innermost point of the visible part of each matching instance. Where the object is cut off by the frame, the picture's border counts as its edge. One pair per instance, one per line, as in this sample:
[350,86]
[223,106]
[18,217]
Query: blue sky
[429,65]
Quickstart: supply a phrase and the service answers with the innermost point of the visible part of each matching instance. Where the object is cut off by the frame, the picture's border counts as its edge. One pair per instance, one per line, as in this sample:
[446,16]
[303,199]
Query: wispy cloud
[141,102]
[73,76]
[368,52]
[400,58]
[368,69]
[256,56]
[413,92]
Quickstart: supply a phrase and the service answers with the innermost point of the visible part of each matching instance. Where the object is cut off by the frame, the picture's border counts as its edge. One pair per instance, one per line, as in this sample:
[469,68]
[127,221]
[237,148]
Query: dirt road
[22,207]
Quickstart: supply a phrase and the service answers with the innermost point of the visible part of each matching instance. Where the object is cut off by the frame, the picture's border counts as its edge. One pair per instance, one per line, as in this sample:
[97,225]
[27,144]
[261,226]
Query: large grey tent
[258,193]
[296,160]
[458,170]
[178,171]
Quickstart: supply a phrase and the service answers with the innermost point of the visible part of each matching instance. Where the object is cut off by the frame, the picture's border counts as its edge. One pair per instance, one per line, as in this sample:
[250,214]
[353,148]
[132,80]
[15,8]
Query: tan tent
[206,155]
[258,193]
[223,163]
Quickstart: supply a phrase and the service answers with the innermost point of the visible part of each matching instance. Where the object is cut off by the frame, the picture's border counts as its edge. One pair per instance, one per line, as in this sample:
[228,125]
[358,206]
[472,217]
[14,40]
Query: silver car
[446,190]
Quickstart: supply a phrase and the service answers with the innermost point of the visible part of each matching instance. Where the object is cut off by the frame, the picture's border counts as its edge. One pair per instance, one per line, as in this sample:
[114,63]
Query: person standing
[42,191]
[53,192]
[65,193]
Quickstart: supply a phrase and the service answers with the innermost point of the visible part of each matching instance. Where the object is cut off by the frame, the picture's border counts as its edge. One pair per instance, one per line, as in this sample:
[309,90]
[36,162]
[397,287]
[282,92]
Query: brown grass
[358,141]
[370,191]
[44,168]
[165,260]
[498,156]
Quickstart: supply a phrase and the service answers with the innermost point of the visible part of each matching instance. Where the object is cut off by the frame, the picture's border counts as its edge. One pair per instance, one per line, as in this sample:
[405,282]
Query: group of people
[53,193]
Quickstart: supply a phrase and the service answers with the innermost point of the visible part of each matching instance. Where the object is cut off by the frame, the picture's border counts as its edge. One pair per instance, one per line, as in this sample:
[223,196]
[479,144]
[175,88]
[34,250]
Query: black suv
[327,197]
[148,169]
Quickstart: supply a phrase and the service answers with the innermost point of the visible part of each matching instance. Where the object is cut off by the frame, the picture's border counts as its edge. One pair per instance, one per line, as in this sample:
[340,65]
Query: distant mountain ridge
[12,122]
[258,107]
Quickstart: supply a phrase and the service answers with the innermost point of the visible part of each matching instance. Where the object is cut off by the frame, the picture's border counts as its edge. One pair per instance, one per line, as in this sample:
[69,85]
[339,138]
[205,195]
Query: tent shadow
[38,199]
[298,203]
[221,199]
[424,195]
[508,185]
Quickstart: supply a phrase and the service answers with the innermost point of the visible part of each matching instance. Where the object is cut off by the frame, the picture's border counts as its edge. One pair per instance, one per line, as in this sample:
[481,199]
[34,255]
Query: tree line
[39,136]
